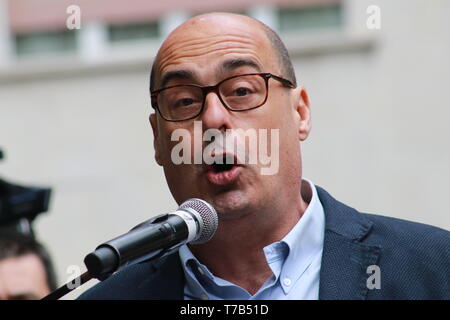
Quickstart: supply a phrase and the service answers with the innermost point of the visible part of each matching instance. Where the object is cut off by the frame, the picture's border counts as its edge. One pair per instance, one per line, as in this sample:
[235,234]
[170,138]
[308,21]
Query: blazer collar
[346,256]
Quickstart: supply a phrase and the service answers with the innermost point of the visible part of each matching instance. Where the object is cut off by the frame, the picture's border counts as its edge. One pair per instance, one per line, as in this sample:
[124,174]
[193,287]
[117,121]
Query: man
[26,272]
[279,236]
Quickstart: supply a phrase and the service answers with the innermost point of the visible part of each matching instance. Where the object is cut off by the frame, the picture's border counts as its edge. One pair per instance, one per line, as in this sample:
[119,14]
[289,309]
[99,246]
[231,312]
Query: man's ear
[154,123]
[303,110]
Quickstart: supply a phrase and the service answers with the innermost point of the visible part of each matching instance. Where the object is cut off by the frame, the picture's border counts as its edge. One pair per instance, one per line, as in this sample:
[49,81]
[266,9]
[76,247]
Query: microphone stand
[65,289]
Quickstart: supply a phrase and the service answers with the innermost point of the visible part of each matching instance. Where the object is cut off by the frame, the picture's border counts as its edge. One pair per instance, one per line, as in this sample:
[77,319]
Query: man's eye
[185,102]
[241,92]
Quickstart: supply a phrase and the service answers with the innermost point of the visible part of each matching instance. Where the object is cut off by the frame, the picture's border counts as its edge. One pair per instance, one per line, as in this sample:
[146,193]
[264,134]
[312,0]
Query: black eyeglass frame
[215,88]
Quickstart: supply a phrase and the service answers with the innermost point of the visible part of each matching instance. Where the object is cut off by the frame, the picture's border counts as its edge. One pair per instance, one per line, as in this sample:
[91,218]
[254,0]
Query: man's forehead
[215,23]
[214,36]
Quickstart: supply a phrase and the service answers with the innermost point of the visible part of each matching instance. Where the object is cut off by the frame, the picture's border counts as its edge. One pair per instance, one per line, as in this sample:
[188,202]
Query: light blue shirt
[295,263]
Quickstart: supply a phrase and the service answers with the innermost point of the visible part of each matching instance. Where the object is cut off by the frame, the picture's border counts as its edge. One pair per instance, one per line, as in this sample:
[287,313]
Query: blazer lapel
[345,257]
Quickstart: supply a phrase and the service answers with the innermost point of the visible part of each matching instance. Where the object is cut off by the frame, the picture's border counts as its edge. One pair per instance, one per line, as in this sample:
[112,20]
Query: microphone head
[207,215]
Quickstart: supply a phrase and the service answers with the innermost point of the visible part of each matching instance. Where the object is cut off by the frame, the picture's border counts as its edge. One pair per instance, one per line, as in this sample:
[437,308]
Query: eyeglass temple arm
[286,82]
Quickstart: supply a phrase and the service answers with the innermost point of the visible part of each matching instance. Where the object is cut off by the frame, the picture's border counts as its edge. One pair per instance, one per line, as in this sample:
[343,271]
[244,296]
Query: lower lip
[225,177]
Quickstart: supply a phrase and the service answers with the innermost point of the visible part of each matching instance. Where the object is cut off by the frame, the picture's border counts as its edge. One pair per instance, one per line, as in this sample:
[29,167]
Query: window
[45,42]
[135,31]
[324,16]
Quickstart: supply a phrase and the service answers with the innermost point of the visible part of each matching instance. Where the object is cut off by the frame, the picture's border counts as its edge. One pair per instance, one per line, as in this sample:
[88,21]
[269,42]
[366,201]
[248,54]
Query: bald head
[231,58]
[213,20]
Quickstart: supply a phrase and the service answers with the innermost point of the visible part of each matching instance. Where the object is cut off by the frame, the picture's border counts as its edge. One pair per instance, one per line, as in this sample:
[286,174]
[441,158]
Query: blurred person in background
[26,271]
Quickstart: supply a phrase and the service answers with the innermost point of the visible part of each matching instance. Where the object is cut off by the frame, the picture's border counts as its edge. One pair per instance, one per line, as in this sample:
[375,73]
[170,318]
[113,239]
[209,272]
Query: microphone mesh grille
[208,215]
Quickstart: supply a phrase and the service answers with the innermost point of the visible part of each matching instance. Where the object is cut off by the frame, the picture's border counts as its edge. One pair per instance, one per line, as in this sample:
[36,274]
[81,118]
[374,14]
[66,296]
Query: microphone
[195,221]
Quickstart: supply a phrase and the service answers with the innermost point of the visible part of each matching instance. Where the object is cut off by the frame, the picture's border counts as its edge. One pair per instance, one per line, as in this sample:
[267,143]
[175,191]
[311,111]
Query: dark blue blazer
[413,261]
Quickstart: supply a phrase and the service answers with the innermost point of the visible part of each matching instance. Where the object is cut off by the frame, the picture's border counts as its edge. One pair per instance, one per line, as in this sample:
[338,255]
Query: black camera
[19,206]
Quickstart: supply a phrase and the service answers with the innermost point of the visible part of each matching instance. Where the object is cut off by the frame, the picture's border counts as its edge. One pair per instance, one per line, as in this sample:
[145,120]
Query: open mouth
[222,167]
[223,163]
[224,170]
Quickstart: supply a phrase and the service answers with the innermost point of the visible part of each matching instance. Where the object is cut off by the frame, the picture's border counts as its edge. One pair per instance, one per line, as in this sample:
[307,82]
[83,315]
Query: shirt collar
[304,242]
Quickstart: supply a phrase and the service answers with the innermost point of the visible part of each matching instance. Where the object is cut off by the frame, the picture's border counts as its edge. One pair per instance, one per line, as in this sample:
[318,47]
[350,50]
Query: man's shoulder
[379,229]
[160,280]
[413,258]
[121,285]
[412,238]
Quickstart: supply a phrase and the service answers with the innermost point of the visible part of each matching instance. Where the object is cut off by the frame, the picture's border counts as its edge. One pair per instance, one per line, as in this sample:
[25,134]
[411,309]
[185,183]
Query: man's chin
[232,204]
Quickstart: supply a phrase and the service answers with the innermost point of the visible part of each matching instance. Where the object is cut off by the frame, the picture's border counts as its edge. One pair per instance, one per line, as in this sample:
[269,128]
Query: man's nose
[215,114]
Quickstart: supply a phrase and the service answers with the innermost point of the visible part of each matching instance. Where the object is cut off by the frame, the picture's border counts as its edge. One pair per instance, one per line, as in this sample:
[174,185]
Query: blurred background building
[74,107]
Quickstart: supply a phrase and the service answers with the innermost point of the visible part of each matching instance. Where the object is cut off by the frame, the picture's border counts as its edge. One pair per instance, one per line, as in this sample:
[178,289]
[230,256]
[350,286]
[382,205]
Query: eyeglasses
[238,93]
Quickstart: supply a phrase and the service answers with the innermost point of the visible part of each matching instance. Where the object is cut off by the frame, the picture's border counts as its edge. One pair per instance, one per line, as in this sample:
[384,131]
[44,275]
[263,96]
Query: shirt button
[287,282]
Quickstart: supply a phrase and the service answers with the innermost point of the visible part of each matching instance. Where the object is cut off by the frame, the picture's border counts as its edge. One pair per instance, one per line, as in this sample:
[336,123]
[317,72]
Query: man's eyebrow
[232,64]
[227,66]
[176,75]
